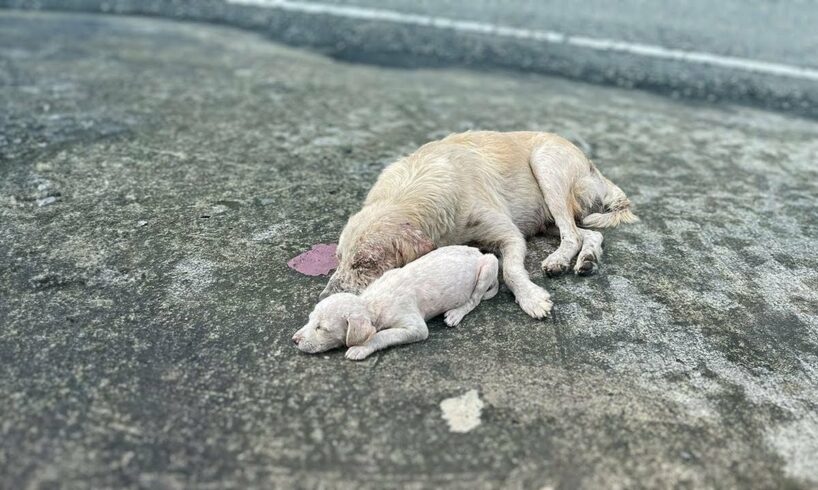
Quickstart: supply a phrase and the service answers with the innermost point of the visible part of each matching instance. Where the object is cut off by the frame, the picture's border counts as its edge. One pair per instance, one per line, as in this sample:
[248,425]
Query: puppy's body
[394,309]
[487,188]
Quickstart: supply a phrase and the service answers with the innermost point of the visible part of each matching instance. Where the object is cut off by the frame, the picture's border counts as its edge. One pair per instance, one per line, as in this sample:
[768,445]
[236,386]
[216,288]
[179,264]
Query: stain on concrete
[462,413]
[317,261]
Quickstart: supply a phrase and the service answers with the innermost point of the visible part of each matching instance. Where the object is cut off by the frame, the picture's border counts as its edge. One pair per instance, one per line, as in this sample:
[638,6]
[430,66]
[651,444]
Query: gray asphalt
[781,32]
[155,177]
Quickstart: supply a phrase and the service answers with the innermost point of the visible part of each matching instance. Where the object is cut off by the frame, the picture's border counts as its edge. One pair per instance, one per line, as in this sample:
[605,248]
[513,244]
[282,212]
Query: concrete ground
[155,177]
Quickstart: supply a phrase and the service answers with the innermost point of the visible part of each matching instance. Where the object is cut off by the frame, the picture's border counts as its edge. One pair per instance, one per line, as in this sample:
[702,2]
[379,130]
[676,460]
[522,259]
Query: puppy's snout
[297,338]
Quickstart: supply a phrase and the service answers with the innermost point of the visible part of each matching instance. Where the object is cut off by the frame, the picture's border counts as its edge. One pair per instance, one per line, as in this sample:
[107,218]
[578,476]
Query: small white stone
[46,201]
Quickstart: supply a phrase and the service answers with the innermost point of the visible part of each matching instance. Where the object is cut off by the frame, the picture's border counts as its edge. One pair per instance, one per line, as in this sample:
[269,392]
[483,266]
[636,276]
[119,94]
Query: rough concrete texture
[155,178]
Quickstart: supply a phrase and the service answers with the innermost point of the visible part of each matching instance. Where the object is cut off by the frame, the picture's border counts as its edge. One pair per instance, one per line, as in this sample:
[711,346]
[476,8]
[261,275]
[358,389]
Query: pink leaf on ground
[318,261]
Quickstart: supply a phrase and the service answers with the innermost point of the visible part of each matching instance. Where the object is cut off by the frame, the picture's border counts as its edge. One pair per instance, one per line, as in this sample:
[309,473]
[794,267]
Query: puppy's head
[339,320]
[374,241]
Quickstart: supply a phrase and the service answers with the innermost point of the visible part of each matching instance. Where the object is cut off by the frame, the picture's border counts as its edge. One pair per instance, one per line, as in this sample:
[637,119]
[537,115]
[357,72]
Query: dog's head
[372,243]
[339,320]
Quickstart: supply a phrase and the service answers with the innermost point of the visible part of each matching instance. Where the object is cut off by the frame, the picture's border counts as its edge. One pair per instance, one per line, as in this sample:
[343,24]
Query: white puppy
[393,310]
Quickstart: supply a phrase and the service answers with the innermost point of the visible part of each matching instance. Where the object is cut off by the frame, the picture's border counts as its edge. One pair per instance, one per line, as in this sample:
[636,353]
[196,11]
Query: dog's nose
[297,338]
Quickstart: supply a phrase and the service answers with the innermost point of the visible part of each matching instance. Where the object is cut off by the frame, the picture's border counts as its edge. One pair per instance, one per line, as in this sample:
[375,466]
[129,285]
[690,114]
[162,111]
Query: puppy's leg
[411,328]
[588,258]
[486,288]
[553,168]
[492,291]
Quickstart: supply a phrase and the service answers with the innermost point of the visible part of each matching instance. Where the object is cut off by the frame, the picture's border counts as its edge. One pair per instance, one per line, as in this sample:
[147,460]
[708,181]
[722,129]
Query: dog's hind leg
[486,288]
[591,252]
[555,168]
[570,241]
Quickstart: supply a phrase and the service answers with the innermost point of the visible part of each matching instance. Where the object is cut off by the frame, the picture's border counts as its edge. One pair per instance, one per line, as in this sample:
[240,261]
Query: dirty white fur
[490,189]
[393,310]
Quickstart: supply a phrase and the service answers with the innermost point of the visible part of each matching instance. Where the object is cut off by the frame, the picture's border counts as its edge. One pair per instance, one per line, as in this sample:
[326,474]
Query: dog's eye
[318,327]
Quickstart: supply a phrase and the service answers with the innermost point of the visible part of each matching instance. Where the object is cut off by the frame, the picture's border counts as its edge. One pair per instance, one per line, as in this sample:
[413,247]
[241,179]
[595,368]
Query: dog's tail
[616,206]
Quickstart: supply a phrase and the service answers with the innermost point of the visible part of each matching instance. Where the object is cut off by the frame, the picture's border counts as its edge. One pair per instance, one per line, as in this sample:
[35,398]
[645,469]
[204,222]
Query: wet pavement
[156,177]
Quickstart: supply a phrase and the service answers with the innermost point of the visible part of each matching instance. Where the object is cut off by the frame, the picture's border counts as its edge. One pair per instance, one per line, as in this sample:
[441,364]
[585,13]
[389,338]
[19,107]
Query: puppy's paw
[358,353]
[554,265]
[536,302]
[453,317]
[586,264]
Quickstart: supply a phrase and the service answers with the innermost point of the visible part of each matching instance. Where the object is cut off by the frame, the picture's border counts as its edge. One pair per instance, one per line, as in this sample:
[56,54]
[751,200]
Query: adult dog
[485,188]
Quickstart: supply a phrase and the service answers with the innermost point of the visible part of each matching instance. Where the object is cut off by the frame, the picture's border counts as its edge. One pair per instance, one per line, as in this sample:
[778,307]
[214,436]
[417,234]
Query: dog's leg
[588,258]
[411,328]
[556,185]
[570,237]
[500,233]
[533,299]
[486,288]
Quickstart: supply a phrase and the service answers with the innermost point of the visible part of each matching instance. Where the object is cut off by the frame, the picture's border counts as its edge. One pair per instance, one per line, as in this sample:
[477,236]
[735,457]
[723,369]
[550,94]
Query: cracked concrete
[146,308]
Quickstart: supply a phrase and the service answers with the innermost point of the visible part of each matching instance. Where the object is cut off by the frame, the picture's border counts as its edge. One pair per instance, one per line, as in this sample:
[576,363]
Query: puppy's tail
[617,209]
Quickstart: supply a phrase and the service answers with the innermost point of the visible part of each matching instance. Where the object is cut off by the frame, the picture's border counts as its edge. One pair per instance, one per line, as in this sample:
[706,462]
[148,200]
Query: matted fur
[487,188]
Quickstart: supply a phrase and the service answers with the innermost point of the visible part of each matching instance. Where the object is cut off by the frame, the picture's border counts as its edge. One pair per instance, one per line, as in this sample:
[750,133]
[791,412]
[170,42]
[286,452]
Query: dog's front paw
[536,302]
[554,266]
[453,317]
[358,353]
[586,264]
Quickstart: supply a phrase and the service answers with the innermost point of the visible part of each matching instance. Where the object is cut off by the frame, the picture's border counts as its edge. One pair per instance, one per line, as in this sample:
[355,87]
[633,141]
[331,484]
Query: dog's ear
[411,243]
[359,329]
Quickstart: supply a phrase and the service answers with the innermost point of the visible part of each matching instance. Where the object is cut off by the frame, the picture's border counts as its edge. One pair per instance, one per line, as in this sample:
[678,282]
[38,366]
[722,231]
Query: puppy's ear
[411,243]
[359,330]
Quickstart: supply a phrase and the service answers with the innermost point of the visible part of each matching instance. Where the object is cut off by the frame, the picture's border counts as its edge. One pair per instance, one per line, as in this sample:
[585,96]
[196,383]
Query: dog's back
[447,176]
